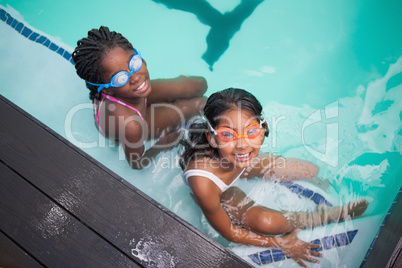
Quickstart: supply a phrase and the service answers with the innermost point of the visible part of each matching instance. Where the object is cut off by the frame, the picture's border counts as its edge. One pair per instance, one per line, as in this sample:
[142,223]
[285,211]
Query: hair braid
[91,50]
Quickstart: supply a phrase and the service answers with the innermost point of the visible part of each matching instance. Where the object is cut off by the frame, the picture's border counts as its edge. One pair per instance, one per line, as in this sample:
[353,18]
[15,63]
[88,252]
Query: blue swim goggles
[121,78]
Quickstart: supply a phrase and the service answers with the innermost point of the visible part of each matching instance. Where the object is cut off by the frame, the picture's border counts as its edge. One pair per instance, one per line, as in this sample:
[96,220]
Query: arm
[207,195]
[182,87]
[133,145]
[267,166]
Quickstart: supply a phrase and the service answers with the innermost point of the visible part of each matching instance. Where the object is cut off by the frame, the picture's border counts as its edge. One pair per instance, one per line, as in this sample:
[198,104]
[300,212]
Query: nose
[241,143]
[134,77]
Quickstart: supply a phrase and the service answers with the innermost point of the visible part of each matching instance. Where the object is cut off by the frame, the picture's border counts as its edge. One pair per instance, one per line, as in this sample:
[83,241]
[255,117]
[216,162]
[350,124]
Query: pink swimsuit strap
[105,96]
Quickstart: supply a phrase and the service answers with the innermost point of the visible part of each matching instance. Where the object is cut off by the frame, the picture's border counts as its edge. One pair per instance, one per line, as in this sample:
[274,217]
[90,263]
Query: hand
[297,249]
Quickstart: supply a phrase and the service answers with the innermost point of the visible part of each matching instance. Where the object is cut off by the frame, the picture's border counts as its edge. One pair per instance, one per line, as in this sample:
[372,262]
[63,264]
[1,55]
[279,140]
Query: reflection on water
[223,26]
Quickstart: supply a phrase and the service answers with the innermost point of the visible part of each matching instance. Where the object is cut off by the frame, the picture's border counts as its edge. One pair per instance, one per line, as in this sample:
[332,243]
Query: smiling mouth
[142,87]
[243,157]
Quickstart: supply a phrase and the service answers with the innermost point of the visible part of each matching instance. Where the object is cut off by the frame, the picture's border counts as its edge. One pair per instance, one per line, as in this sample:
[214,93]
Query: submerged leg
[258,218]
[324,214]
[267,221]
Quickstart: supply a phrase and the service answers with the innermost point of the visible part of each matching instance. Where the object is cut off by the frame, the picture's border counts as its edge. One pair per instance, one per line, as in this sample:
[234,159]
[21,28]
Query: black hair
[196,144]
[91,50]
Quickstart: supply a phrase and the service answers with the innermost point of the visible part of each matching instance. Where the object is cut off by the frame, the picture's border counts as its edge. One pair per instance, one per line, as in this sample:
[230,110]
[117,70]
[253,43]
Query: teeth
[242,157]
[141,86]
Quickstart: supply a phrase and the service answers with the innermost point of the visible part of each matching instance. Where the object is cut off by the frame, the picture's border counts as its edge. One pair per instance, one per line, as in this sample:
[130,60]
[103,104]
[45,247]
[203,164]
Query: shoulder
[200,181]
[121,118]
[206,193]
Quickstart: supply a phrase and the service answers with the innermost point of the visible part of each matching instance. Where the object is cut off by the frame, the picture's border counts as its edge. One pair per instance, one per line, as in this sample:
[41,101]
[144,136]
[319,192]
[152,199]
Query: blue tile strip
[306,193]
[33,36]
[341,239]
[327,242]
[278,255]
[382,226]
[265,257]
[317,242]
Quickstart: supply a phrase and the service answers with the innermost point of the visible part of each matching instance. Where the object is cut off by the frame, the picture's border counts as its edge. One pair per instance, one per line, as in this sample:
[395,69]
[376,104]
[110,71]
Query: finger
[315,253]
[311,259]
[310,245]
[307,256]
[299,261]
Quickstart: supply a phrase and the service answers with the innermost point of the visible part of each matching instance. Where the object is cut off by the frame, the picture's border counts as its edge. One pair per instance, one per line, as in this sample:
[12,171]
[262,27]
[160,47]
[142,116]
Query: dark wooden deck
[61,208]
[387,249]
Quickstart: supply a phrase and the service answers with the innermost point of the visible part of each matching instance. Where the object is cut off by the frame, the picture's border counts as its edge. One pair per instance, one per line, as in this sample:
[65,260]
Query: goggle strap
[94,83]
[262,121]
[100,86]
[210,127]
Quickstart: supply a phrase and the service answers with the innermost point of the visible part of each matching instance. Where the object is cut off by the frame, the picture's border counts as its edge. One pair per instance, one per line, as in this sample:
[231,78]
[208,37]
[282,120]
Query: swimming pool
[328,76]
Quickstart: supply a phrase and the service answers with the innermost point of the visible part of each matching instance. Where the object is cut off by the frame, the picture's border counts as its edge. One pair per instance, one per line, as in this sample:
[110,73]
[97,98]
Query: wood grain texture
[388,239]
[99,199]
[12,255]
[48,232]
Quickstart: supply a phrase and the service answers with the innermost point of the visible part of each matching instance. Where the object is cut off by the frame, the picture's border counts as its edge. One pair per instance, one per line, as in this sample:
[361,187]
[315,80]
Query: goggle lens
[228,134]
[120,79]
[135,63]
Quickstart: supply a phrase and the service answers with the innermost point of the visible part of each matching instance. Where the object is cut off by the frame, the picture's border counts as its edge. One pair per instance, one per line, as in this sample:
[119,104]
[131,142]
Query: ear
[262,138]
[265,125]
[211,139]
[108,91]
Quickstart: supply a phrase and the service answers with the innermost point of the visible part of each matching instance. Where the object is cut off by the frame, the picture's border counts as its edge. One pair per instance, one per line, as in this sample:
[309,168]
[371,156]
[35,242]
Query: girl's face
[240,151]
[116,60]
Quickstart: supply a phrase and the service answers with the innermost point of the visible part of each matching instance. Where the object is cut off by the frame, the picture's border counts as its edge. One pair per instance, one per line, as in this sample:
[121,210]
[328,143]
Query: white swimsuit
[209,175]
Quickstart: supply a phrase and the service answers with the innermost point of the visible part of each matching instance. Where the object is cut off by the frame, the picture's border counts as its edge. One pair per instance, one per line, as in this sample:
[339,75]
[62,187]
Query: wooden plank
[48,232]
[11,255]
[117,211]
[387,240]
[396,260]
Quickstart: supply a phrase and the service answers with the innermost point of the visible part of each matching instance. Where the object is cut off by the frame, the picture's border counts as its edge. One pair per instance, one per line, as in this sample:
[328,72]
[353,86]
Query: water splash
[152,253]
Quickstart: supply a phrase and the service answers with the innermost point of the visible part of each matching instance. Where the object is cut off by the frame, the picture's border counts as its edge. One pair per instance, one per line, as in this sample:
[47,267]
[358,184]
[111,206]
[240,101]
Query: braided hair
[196,144]
[90,52]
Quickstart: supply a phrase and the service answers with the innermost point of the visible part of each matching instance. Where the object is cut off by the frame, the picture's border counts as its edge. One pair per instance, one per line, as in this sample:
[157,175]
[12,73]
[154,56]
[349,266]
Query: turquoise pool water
[329,75]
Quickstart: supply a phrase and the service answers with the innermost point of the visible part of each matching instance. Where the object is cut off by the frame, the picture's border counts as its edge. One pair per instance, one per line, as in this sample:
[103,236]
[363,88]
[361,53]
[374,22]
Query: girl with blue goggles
[102,57]
[121,78]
